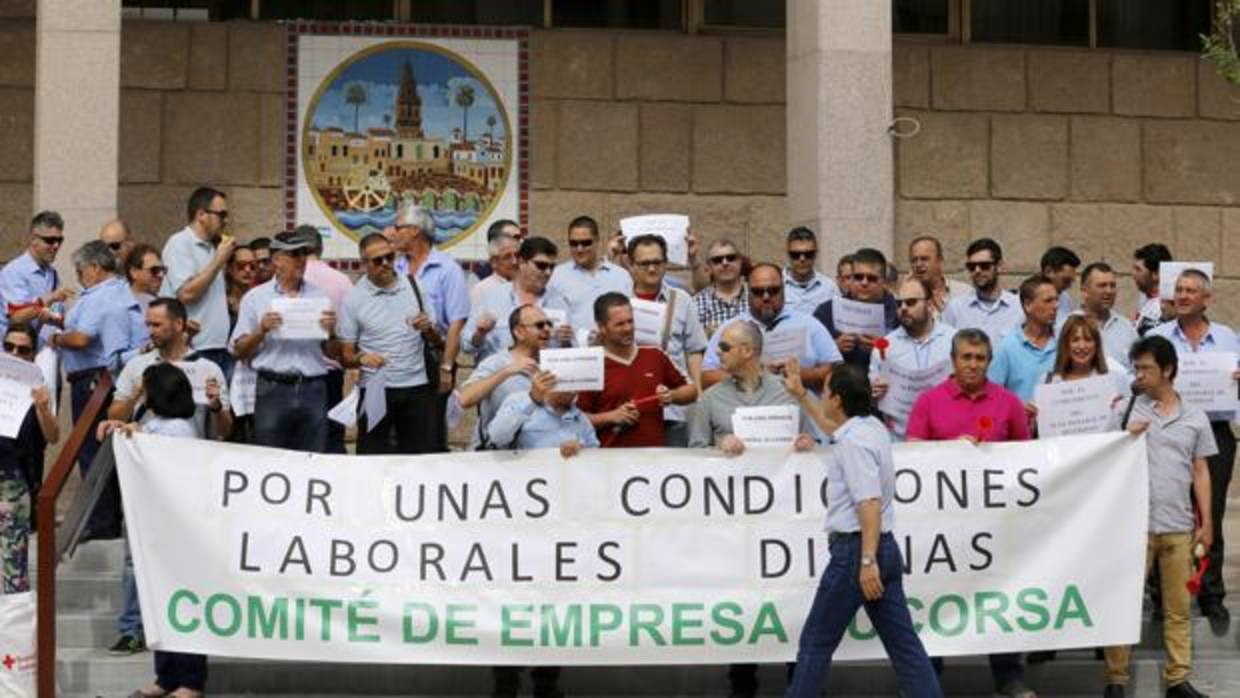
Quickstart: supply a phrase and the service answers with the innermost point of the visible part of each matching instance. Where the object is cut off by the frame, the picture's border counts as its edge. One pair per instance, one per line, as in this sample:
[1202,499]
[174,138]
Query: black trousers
[175,670]
[508,679]
[1221,467]
[335,393]
[409,426]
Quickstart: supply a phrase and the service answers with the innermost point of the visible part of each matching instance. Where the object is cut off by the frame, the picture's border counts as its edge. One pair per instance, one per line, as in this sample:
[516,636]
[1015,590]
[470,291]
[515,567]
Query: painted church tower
[408,105]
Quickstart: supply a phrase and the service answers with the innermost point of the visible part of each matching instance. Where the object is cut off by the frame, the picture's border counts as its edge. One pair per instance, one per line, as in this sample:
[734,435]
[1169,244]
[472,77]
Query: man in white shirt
[196,257]
[920,342]
[925,262]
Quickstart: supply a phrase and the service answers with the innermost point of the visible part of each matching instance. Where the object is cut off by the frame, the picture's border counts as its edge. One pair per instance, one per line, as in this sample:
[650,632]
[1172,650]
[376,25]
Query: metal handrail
[49,493]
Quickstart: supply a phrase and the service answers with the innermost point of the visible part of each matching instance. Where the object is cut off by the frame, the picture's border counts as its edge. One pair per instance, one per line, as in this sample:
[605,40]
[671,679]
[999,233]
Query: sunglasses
[158,270]
[979,266]
[866,278]
[299,252]
[383,260]
[723,259]
[766,291]
[52,240]
[540,325]
[222,214]
[803,255]
[263,261]
[581,244]
[115,246]
[724,347]
[246,266]
[19,349]
[650,264]
[543,266]
[909,302]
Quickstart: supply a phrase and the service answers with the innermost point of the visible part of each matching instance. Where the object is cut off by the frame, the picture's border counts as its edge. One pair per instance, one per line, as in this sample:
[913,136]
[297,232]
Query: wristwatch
[866,561]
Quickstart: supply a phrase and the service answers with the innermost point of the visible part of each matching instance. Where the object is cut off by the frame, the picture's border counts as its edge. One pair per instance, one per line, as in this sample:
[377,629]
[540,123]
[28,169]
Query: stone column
[840,168]
[76,116]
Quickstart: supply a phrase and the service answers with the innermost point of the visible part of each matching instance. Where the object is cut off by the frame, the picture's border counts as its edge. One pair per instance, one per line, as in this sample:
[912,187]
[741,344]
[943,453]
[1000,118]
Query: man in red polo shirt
[638,382]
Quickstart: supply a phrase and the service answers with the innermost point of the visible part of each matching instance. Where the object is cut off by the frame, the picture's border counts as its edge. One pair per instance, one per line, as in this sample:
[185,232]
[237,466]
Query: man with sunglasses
[990,308]
[485,333]
[378,337]
[766,308]
[506,372]
[725,297]
[263,269]
[805,289]
[922,341]
[196,258]
[868,284]
[29,285]
[290,409]
[115,234]
[145,272]
[586,276]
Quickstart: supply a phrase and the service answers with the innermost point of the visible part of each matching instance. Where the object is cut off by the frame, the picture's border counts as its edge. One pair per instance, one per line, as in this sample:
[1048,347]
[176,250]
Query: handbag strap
[667,320]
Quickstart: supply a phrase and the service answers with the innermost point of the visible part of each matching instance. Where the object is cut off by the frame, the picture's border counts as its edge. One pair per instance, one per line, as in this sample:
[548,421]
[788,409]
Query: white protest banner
[649,318]
[1204,379]
[300,317]
[243,389]
[15,402]
[576,369]
[905,385]
[26,373]
[1076,407]
[651,556]
[672,227]
[1168,272]
[767,426]
[855,317]
[783,344]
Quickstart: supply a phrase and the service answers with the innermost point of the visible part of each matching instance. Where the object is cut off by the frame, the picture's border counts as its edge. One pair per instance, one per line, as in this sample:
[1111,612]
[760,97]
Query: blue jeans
[836,603]
[291,415]
[129,622]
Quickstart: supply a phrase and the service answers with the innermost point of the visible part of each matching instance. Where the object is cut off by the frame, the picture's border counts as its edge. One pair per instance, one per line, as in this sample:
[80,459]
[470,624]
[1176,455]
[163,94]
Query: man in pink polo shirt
[968,406]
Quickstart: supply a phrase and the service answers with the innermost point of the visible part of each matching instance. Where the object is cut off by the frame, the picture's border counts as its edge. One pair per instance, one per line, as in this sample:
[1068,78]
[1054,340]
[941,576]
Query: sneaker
[126,645]
[1184,690]
[1219,617]
[1113,690]
[1017,689]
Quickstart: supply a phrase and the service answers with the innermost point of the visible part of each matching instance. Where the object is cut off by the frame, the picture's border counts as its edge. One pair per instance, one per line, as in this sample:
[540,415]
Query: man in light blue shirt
[1192,332]
[990,309]
[29,285]
[486,331]
[586,276]
[766,307]
[543,418]
[506,372]
[1059,264]
[805,288]
[1024,356]
[1098,291]
[920,342]
[195,259]
[377,335]
[290,409]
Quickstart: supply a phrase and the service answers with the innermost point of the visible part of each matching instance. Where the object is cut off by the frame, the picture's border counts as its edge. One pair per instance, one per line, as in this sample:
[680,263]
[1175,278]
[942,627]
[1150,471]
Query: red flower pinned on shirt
[881,344]
[984,424]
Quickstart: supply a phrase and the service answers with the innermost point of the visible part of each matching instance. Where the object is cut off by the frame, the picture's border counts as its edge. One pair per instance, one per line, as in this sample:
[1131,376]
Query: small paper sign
[575,369]
[673,228]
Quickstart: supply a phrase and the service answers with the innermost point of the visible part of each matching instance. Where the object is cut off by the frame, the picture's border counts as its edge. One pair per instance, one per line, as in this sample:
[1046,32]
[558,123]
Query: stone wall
[1099,150]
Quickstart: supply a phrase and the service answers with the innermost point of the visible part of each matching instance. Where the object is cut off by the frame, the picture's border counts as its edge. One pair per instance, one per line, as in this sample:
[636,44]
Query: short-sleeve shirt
[819,349]
[441,281]
[578,288]
[713,419]
[490,404]
[336,284]
[286,356]
[23,280]
[1217,338]
[946,412]
[109,315]
[858,355]
[165,426]
[806,297]
[499,302]
[905,352]
[633,379]
[1173,442]
[714,311]
[129,383]
[860,468]
[995,318]
[377,321]
[1019,364]
[185,254]
[685,336]
[523,424]
[1149,315]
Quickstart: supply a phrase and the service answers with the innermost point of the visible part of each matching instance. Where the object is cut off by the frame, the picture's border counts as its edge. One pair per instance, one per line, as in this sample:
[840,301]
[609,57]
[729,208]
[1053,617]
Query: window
[333,10]
[920,16]
[499,12]
[1170,26]
[1059,22]
[750,14]
[186,10]
[627,14]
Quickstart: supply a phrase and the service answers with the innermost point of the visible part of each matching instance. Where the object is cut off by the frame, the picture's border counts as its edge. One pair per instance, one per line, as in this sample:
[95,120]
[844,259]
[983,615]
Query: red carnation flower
[881,344]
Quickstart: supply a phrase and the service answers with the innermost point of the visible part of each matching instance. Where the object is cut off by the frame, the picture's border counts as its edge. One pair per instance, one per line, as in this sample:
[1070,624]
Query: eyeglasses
[245,266]
[158,270]
[543,266]
[115,246]
[803,255]
[909,302]
[581,244]
[52,240]
[19,349]
[979,266]
[866,278]
[724,259]
[383,260]
[724,347]
[649,264]
[766,291]
[540,325]
[222,214]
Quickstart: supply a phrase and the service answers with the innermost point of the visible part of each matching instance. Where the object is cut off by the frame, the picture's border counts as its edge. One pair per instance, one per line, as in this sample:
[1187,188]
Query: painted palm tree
[491,127]
[355,95]
[465,99]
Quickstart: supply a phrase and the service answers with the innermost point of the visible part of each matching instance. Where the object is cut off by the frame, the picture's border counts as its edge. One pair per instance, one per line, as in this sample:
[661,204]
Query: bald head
[115,234]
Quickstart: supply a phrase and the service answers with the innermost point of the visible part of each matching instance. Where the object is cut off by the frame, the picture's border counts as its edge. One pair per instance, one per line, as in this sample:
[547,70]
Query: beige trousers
[1172,552]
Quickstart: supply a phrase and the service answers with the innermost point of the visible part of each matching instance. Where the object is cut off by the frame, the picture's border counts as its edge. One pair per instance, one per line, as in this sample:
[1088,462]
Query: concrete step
[95,673]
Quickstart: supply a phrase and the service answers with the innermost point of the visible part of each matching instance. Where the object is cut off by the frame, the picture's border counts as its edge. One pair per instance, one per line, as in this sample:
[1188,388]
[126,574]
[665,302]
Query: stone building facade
[1099,150]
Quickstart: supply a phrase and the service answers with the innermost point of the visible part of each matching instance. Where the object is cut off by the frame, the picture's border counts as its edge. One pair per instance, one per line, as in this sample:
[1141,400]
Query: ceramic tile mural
[379,114]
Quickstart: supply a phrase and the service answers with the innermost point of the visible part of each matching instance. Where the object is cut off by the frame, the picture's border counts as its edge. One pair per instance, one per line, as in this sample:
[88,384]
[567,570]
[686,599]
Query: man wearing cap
[290,410]
[196,258]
